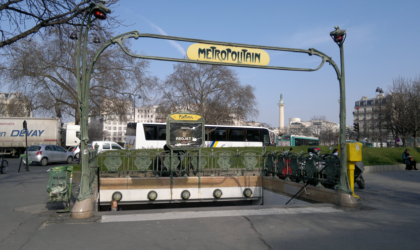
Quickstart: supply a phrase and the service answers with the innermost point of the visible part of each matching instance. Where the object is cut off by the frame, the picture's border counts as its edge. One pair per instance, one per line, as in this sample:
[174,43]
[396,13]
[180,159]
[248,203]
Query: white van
[106,145]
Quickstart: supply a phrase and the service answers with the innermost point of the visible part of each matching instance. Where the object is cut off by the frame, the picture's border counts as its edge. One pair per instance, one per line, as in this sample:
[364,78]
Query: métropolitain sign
[227,54]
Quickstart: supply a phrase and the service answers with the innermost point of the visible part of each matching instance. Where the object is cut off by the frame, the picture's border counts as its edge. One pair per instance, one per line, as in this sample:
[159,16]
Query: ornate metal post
[85,209]
[339,36]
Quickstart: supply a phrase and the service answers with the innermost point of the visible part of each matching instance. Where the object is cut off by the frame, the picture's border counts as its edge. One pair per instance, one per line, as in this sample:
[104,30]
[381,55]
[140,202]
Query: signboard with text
[185,130]
[227,54]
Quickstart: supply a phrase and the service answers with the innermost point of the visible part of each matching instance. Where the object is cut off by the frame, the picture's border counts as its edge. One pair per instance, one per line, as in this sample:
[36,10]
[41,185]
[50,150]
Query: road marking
[214,214]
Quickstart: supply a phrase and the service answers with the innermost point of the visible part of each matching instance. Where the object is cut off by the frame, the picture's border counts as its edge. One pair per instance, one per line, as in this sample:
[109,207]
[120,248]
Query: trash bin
[57,183]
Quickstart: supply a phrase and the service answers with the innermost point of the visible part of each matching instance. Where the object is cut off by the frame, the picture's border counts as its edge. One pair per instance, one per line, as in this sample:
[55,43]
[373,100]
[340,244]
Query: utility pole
[25,127]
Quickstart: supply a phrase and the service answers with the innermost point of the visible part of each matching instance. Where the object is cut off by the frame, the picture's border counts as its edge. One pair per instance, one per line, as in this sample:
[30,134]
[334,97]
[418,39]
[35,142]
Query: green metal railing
[303,168]
[93,168]
[151,163]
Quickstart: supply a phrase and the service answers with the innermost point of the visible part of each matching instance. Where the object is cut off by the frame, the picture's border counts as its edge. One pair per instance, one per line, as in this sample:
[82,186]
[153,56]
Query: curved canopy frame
[343,185]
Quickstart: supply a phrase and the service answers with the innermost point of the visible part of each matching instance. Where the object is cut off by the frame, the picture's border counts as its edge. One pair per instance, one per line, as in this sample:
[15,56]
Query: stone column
[281,112]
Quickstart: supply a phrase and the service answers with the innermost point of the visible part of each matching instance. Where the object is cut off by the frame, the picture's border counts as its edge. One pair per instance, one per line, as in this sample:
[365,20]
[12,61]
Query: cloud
[310,38]
[319,36]
[162,32]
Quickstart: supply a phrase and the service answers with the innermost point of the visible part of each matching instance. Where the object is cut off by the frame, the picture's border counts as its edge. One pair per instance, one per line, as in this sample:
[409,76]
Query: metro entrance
[204,52]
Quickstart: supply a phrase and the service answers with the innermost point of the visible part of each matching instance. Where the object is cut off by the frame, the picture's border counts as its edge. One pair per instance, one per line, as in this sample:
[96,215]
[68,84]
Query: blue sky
[382,43]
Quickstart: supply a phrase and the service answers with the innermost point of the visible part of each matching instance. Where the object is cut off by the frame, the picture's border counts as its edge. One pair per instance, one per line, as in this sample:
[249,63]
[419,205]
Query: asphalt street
[387,218]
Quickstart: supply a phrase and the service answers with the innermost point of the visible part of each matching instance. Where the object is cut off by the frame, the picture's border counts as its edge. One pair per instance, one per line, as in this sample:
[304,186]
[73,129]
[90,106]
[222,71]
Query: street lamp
[83,207]
[73,36]
[339,36]
[380,91]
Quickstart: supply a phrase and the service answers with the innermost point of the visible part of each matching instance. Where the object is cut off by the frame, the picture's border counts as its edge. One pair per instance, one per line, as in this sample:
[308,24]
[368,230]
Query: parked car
[49,153]
[106,146]
[76,152]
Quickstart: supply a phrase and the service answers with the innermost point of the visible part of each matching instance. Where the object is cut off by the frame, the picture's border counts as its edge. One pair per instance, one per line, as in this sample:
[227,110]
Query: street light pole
[83,207]
[380,91]
[339,36]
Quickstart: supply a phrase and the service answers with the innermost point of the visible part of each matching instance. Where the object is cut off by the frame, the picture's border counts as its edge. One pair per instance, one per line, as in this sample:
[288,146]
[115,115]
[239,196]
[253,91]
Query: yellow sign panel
[227,54]
[185,117]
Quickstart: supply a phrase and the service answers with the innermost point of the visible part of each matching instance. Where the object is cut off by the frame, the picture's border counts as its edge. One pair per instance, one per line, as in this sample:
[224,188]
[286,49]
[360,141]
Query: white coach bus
[153,135]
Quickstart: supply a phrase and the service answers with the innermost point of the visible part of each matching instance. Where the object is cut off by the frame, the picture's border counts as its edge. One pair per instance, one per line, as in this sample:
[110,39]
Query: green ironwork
[149,163]
[83,83]
[194,162]
[171,165]
[142,161]
[343,184]
[249,160]
[294,165]
[225,161]
[93,162]
[310,167]
[332,172]
[269,161]
[113,162]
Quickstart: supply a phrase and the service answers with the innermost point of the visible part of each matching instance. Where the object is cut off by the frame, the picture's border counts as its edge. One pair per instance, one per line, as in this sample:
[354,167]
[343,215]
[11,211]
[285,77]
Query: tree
[20,19]
[402,109]
[213,91]
[328,133]
[44,69]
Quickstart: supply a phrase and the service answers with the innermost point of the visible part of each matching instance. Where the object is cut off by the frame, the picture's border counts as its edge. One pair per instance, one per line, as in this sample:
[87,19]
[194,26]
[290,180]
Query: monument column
[281,112]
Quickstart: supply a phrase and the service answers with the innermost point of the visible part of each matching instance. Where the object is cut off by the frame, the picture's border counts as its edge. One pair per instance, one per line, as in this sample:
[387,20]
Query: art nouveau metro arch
[248,56]
[230,54]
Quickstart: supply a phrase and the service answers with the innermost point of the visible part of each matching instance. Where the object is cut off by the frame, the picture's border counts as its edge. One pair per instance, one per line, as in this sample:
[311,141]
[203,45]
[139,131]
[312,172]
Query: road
[387,218]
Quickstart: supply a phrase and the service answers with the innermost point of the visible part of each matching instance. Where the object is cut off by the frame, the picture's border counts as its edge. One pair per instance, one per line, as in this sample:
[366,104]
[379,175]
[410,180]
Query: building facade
[367,113]
[147,114]
[113,128]
[13,105]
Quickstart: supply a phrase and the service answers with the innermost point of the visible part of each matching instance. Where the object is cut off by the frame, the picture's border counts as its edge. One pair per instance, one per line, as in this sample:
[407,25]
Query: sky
[381,45]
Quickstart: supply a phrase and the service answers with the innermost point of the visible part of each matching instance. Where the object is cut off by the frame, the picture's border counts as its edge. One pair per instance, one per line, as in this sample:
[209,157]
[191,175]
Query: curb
[383,168]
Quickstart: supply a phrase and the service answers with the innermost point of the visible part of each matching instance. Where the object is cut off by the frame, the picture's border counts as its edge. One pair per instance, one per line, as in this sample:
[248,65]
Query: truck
[40,131]
[70,136]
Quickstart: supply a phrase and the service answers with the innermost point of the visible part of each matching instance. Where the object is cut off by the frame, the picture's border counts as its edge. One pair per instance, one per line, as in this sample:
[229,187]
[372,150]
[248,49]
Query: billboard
[185,130]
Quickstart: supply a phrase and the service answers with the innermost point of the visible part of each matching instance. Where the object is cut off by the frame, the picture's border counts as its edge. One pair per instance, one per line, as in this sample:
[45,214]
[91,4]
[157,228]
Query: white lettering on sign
[183,139]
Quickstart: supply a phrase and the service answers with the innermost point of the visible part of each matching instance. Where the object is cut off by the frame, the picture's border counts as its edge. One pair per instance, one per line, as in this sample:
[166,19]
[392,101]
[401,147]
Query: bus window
[236,135]
[131,129]
[150,132]
[218,135]
[253,135]
[162,133]
[209,133]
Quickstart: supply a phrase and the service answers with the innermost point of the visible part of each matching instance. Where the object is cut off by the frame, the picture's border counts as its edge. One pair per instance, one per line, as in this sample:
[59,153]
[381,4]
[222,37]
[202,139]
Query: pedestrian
[410,163]
[114,206]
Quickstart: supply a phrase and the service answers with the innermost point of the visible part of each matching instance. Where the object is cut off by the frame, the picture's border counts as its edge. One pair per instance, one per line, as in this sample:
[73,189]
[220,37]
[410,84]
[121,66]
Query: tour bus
[297,140]
[153,135]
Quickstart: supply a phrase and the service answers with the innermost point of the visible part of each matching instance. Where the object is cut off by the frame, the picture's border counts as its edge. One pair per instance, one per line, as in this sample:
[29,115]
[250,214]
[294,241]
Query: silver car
[49,153]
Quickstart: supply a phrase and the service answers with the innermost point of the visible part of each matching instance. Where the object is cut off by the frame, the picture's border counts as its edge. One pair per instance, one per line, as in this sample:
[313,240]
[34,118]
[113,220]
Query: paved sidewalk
[387,218]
